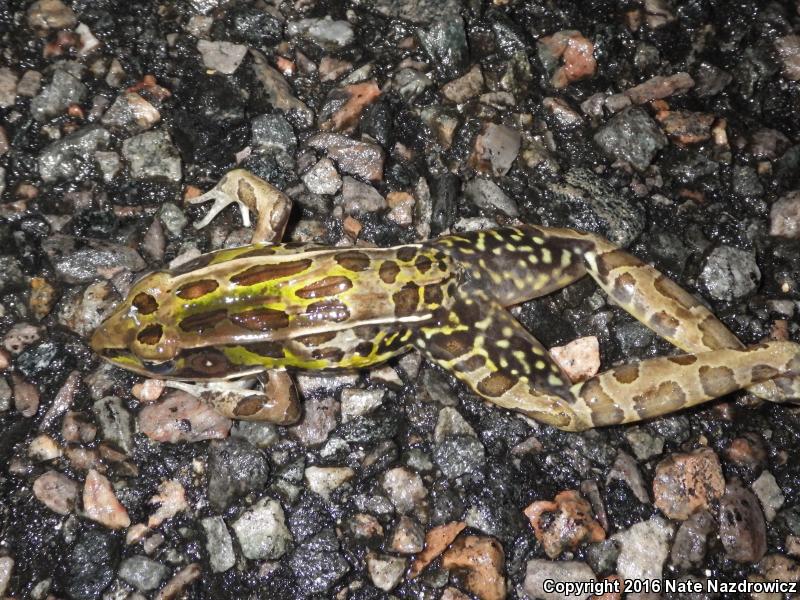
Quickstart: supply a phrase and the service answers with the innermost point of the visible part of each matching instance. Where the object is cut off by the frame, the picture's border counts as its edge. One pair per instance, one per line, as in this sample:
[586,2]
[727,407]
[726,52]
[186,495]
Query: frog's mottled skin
[268,307]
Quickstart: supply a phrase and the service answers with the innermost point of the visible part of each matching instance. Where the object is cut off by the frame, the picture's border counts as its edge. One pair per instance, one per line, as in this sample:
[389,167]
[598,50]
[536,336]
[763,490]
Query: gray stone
[769,494]
[745,182]
[410,83]
[358,197]
[131,113]
[445,42]
[55,98]
[742,529]
[72,157]
[689,549]
[318,563]
[644,548]
[730,273]
[8,87]
[173,219]
[95,259]
[459,455]
[486,194]
[116,423]
[273,132]
[784,216]
[385,571]
[538,571]
[152,156]
[278,91]
[362,159]
[218,544]
[235,468]
[326,32]
[416,11]
[224,57]
[262,532]
[323,178]
[632,136]
[142,573]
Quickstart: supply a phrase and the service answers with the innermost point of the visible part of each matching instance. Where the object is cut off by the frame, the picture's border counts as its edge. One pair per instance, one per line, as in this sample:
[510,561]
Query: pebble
[29,84]
[788,48]
[486,194]
[408,536]
[459,455]
[366,527]
[445,43]
[385,571]
[347,105]
[710,80]
[20,336]
[689,549]
[223,57]
[116,423]
[410,83]
[44,15]
[175,587]
[322,178]
[483,559]
[568,56]
[562,113]
[769,494]
[43,296]
[219,544]
[742,529]
[358,197]
[272,133]
[324,480]
[100,503]
[26,396]
[404,488]
[181,417]
[8,87]
[319,419]
[57,96]
[261,531]
[171,500]
[729,273]
[564,523]
[356,402]
[66,159]
[326,32]
[659,87]
[625,468]
[538,571]
[436,540]
[362,159]
[644,548]
[686,483]
[331,68]
[496,148]
[632,136]
[90,564]
[464,88]
[580,359]
[6,569]
[449,423]
[235,468]
[56,491]
[43,448]
[318,563]
[142,573]
[152,156]
[784,216]
[131,113]
[278,90]
[686,127]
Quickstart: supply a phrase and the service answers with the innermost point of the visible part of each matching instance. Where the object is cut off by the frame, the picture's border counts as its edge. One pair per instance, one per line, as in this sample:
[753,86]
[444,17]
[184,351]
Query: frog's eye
[150,335]
[145,303]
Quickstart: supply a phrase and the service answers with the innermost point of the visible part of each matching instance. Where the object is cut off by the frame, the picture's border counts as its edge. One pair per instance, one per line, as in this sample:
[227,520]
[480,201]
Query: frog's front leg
[250,194]
[276,401]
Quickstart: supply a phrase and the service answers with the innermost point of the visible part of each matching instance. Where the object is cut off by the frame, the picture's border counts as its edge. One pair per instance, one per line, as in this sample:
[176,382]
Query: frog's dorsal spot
[145,303]
[717,381]
[683,359]
[423,263]
[204,320]
[328,310]
[197,289]
[333,355]
[763,372]
[604,410]
[624,288]
[406,300]
[261,319]
[495,384]
[268,272]
[432,294]
[664,324]
[266,349]
[329,286]
[249,406]
[364,348]
[150,335]
[667,396]
[406,253]
[388,271]
[316,339]
[627,374]
[353,260]
[615,259]
[473,363]
[448,347]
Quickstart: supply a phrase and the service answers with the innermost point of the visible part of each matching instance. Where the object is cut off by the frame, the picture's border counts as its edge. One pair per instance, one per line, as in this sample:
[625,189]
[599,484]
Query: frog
[231,325]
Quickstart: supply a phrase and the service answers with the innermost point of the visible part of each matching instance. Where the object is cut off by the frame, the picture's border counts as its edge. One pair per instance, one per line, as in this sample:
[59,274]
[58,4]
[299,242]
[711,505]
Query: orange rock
[564,523]
[483,559]
[356,97]
[685,126]
[686,483]
[575,53]
[436,540]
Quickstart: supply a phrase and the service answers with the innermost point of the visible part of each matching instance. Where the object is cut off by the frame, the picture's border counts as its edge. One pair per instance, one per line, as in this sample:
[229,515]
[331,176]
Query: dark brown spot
[388,271]
[406,300]
[268,272]
[423,263]
[249,406]
[626,373]
[329,286]
[263,251]
[717,381]
[197,289]
[261,319]
[206,363]
[666,398]
[495,385]
[469,314]
[615,259]
[716,335]
[442,265]
[604,410]
[447,347]
[683,359]
[763,372]
[203,320]
[364,348]
[473,363]
[623,288]
[145,303]
[328,310]
[664,324]
[150,335]
[316,339]
[353,260]
[333,355]
[672,290]
[406,253]
[266,349]
[432,294]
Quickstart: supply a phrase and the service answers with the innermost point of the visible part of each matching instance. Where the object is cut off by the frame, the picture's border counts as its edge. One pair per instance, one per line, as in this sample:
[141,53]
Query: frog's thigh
[659,386]
[276,401]
[669,310]
[485,347]
[251,194]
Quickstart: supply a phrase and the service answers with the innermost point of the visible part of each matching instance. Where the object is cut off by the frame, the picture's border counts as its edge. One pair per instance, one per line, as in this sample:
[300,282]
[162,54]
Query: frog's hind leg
[670,311]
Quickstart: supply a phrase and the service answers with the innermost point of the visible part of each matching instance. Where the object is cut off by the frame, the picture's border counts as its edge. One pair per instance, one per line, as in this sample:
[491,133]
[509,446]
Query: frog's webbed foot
[250,194]
[277,402]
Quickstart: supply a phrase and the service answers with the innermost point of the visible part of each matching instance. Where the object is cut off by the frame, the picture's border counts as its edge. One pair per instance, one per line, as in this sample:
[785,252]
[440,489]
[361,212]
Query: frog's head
[133,336]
